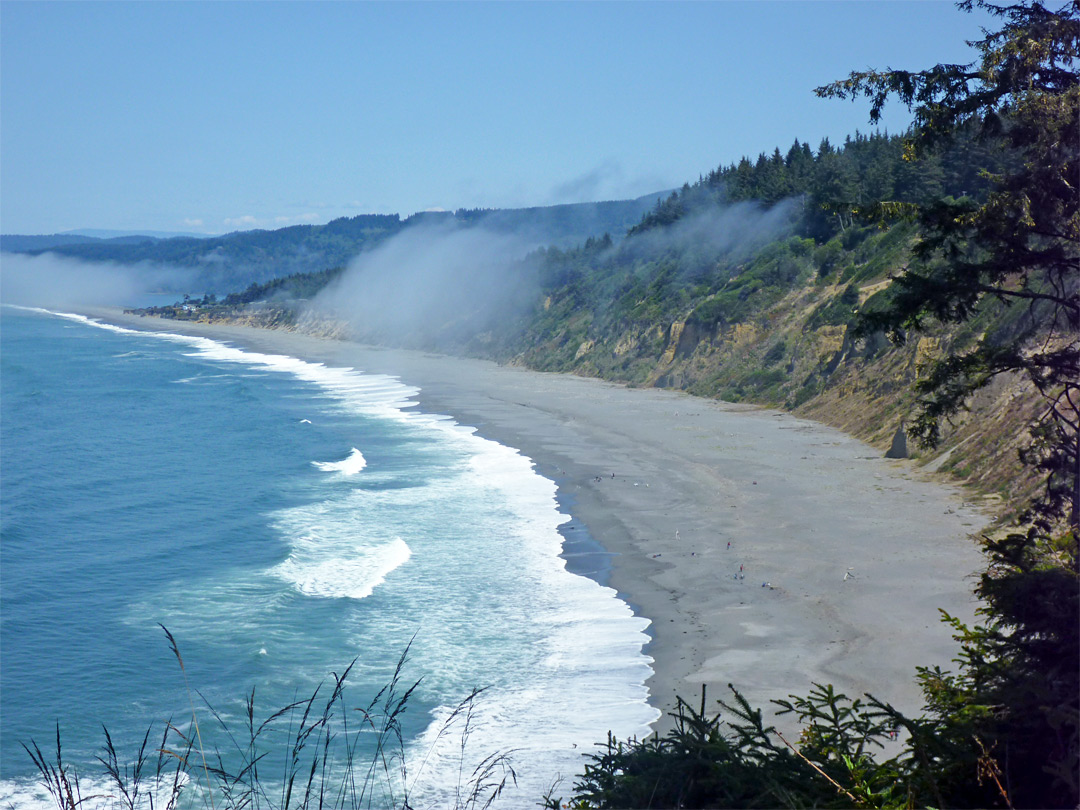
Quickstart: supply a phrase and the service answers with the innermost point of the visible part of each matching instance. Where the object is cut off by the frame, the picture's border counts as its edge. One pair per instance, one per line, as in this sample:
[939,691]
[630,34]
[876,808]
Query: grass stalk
[329,759]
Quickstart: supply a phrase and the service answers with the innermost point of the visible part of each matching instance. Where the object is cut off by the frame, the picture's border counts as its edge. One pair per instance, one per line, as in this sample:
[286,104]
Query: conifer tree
[1013,711]
[1020,245]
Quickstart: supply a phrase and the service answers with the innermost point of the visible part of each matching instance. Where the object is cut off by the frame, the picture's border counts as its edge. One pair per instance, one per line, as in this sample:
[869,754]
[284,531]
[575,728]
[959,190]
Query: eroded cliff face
[863,387]
[283,317]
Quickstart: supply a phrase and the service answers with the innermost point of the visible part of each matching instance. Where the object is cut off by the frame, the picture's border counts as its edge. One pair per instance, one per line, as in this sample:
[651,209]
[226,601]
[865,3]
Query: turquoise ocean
[281,518]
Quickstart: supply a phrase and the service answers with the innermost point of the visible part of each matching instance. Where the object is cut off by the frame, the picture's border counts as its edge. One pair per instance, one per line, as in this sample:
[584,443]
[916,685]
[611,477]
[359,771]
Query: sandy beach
[768,552]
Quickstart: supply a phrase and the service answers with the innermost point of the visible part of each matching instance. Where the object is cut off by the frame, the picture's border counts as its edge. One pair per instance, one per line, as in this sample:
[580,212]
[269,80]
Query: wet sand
[845,557]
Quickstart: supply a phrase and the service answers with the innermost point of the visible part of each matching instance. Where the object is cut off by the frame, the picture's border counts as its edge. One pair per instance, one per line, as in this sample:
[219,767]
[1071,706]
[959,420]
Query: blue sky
[220,116]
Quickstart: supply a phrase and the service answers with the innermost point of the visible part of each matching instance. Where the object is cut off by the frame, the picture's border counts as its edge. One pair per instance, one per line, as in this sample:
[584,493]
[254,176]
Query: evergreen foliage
[1020,244]
[1018,692]
[299,285]
[284,291]
[834,182]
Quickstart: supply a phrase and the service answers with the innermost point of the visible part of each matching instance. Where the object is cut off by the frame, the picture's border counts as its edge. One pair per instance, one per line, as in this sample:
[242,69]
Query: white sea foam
[484,582]
[94,793]
[26,794]
[586,675]
[201,379]
[318,568]
[347,466]
[72,316]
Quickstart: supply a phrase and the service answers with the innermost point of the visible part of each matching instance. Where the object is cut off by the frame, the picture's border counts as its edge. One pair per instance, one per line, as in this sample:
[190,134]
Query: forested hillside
[236,260]
[977,290]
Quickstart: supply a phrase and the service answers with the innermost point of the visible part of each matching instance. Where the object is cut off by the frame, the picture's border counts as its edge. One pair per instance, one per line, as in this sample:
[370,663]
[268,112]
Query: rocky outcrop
[898,449]
[675,336]
[585,347]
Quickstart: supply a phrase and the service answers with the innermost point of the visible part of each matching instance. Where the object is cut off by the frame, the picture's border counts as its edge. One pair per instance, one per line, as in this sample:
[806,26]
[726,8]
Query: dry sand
[859,552]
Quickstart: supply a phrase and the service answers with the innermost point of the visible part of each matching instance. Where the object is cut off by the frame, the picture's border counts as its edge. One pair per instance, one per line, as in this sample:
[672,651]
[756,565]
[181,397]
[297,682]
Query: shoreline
[845,557]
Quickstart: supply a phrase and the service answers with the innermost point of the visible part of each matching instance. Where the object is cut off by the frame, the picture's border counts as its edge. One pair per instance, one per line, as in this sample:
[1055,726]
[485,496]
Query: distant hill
[13,243]
[236,260]
[99,233]
[18,243]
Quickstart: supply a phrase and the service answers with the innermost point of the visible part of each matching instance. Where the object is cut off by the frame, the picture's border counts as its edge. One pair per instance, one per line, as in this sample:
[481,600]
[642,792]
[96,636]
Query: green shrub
[838,311]
[775,354]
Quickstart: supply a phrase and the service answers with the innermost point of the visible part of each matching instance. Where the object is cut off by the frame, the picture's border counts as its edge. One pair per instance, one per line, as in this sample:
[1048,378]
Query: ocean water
[281,519]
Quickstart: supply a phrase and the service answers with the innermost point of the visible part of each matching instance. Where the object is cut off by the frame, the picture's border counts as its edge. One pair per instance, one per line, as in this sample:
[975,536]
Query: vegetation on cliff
[1005,729]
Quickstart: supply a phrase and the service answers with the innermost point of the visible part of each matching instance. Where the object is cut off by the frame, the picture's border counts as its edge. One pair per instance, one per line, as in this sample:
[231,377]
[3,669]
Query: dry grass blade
[832,781]
[329,759]
[194,716]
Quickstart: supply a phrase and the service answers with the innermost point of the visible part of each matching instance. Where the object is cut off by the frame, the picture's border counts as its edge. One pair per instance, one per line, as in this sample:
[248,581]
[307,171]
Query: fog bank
[734,230]
[52,281]
[432,284]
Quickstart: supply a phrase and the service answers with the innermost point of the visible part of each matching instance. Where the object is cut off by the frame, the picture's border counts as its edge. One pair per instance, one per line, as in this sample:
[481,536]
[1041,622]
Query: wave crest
[347,466]
[354,577]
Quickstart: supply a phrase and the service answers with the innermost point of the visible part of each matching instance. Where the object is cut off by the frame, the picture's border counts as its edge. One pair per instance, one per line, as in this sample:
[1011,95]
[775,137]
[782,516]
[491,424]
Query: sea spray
[347,466]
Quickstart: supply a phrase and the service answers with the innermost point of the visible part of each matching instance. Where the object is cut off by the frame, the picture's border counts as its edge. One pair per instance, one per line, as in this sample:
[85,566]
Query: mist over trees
[224,264]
